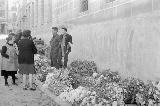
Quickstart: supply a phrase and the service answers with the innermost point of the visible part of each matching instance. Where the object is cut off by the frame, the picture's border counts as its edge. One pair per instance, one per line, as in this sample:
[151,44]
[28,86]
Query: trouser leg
[30,80]
[59,59]
[59,62]
[54,61]
[65,60]
[14,78]
[51,61]
[6,77]
[24,80]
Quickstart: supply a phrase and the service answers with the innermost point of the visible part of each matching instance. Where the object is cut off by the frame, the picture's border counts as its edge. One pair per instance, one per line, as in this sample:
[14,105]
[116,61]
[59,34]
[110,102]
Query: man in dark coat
[66,41]
[55,46]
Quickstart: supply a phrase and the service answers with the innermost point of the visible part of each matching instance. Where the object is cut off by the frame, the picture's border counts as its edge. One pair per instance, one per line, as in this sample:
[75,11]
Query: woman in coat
[27,50]
[9,64]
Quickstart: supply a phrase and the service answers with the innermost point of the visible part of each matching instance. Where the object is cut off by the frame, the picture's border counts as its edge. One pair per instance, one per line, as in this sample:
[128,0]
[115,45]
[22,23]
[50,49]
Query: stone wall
[124,38]
[129,45]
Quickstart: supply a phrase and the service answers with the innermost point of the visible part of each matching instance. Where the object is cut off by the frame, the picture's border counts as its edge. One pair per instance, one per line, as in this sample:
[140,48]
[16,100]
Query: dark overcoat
[27,49]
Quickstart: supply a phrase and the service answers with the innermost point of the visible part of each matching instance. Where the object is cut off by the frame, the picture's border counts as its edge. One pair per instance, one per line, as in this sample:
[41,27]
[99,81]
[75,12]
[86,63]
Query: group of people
[18,55]
[60,47]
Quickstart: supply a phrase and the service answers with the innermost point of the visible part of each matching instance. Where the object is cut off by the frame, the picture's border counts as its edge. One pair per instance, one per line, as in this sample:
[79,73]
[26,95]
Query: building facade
[3,16]
[119,34]
[12,18]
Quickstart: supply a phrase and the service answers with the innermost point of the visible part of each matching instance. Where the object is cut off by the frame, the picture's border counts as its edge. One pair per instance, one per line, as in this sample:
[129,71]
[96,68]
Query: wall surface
[129,45]
[123,35]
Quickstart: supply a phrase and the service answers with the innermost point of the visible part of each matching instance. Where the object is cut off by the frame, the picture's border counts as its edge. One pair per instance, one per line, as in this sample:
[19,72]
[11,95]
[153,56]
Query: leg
[31,81]
[54,61]
[6,78]
[65,60]
[25,81]
[14,79]
[51,61]
[59,62]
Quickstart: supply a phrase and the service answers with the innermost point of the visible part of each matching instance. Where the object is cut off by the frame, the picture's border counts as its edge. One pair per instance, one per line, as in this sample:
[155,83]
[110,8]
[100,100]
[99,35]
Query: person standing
[18,36]
[27,49]
[9,64]
[17,39]
[55,46]
[66,41]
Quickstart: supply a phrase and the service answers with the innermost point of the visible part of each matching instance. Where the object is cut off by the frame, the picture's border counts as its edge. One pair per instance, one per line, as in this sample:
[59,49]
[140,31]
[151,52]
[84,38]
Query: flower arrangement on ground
[82,84]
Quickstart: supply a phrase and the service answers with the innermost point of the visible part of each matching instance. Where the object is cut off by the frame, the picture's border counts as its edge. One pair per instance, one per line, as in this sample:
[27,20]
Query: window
[14,17]
[2,13]
[2,4]
[84,5]
[108,1]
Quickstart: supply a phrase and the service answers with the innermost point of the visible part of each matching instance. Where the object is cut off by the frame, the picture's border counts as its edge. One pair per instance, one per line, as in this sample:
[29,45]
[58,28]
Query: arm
[62,48]
[61,45]
[3,52]
[69,44]
[70,39]
[34,48]
[16,48]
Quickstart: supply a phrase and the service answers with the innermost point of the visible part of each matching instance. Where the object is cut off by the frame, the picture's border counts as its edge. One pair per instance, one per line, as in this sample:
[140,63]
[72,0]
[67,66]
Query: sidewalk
[16,96]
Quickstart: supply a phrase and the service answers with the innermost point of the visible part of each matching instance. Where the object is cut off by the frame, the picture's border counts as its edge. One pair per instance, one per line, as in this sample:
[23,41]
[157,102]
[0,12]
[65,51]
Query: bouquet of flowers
[148,95]
[109,91]
[88,82]
[41,66]
[132,88]
[51,77]
[74,95]
[79,70]
[57,81]
[83,68]
[111,76]
[93,100]
[57,87]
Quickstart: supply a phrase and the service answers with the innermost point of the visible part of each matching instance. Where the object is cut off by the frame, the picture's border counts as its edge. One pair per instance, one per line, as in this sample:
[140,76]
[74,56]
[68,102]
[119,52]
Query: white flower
[74,95]
[95,75]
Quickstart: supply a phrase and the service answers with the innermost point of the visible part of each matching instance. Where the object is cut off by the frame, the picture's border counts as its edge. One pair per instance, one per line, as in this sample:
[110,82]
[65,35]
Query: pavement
[16,96]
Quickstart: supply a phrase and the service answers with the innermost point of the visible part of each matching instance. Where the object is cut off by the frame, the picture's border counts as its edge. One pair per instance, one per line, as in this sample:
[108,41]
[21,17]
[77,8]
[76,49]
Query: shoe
[6,84]
[32,89]
[15,84]
[16,78]
[25,88]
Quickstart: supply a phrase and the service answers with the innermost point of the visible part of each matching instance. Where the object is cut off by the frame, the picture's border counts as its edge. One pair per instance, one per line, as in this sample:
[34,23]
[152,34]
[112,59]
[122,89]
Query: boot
[6,82]
[14,80]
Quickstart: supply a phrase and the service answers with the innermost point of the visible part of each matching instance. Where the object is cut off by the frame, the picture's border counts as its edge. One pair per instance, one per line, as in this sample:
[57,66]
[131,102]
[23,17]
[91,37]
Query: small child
[9,64]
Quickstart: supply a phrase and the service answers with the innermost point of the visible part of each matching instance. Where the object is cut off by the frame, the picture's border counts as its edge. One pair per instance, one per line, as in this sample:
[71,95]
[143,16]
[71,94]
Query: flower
[74,95]
[95,75]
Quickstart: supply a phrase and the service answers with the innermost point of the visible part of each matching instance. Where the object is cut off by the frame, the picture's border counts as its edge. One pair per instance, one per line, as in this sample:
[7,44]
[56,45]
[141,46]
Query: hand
[62,58]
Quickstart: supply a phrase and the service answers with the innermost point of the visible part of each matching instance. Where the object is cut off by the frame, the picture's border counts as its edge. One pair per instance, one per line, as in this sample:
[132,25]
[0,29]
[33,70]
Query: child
[9,64]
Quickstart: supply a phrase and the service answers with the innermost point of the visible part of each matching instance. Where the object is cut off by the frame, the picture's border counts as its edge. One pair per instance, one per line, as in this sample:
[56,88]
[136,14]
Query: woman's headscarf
[26,33]
[10,36]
